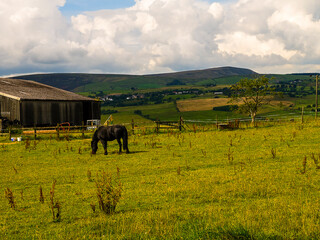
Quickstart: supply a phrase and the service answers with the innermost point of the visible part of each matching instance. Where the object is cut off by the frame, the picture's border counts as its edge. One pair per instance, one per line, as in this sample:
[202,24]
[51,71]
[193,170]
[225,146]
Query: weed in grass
[4,148]
[9,196]
[21,194]
[315,160]
[187,164]
[67,137]
[204,153]
[273,153]
[35,145]
[93,207]
[27,144]
[118,172]
[179,171]
[89,176]
[79,151]
[230,156]
[41,197]
[72,178]
[194,128]
[108,192]
[294,134]
[54,204]
[304,165]
[317,163]
[281,139]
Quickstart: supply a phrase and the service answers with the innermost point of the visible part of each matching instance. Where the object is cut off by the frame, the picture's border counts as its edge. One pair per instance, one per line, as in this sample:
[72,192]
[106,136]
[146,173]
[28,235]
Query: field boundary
[83,131]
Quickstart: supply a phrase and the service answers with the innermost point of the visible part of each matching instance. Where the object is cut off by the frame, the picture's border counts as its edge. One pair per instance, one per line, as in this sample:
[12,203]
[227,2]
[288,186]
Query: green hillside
[80,82]
[155,96]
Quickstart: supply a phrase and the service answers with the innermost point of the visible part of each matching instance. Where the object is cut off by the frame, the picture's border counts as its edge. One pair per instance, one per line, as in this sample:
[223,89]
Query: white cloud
[160,36]
[216,9]
[241,43]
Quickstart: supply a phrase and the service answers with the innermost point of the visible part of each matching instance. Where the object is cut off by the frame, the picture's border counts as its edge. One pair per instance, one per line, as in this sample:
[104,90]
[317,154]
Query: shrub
[54,204]
[10,197]
[138,112]
[226,108]
[108,192]
[108,111]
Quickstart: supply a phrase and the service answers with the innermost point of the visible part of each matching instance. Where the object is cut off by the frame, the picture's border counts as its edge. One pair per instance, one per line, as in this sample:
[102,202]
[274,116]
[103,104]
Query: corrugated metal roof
[31,90]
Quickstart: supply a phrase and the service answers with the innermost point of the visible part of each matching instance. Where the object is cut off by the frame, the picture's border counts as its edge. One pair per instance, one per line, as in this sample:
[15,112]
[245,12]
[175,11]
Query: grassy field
[166,112]
[251,183]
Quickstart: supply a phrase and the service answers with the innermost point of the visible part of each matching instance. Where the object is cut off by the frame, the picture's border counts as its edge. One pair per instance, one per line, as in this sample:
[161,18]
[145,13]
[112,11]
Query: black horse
[109,133]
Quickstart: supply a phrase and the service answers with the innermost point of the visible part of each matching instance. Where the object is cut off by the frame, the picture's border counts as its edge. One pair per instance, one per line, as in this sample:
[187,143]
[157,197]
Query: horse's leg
[125,144]
[120,146]
[104,144]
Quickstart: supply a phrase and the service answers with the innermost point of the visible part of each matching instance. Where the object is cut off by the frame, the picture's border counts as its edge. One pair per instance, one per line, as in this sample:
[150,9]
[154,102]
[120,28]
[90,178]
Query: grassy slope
[209,185]
[117,82]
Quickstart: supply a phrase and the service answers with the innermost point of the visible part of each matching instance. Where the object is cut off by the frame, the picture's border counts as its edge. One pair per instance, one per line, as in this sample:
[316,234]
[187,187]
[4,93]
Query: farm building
[34,104]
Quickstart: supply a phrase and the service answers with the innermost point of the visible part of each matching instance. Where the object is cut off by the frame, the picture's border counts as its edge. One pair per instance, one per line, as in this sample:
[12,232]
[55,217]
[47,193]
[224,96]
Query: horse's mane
[95,135]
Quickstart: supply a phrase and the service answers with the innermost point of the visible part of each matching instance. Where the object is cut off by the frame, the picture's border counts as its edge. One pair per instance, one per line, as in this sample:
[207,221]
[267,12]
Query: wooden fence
[58,131]
[86,131]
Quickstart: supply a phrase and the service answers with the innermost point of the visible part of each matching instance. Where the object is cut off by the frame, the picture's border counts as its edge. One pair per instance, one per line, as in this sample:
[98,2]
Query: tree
[251,94]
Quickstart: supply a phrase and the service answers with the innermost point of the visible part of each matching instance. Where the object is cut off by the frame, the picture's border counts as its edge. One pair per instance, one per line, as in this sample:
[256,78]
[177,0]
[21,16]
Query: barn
[30,103]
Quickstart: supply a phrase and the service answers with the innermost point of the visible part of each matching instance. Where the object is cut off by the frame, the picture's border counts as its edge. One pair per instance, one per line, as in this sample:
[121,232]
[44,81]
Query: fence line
[142,127]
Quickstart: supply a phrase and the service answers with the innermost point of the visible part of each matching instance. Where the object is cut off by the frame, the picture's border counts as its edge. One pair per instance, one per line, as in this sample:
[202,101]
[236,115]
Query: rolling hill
[81,82]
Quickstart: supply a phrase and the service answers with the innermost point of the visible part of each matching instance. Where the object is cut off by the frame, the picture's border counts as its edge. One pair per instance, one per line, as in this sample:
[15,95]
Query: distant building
[34,104]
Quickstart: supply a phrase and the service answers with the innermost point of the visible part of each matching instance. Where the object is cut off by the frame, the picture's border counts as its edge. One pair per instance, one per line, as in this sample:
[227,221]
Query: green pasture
[169,112]
[165,112]
[250,183]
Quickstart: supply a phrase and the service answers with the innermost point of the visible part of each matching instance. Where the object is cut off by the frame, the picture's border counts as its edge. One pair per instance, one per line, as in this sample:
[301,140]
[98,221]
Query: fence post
[35,133]
[302,115]
[217,126]
[10,132]
[158,126]
[180,124]
[58,129]
[82,129]
[132,126]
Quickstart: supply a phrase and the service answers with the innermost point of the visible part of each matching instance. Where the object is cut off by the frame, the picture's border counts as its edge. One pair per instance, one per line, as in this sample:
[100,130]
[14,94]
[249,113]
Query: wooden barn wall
[42,113]
[9,108]
[91,110]
[49,113]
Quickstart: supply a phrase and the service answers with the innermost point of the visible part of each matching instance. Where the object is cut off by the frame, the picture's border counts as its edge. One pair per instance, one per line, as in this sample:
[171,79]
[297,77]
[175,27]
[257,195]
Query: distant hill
[81,82]
[210,73]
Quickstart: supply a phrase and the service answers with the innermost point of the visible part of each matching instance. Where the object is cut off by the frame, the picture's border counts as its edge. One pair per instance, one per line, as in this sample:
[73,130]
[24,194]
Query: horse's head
[94,146]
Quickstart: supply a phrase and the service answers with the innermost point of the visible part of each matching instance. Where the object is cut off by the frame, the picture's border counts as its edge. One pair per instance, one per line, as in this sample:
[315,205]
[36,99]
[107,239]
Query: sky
[158,36]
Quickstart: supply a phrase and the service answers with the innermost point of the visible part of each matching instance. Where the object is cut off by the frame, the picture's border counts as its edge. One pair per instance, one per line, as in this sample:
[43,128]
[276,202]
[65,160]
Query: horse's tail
[125,139]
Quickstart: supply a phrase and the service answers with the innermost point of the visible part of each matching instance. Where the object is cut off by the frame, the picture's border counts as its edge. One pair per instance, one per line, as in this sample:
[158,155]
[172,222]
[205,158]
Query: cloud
[160,36]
